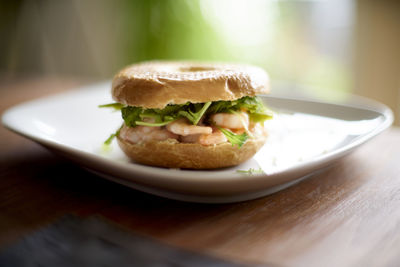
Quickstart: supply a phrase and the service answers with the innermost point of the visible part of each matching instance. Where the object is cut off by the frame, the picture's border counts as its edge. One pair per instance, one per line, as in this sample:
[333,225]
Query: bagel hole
[195,69]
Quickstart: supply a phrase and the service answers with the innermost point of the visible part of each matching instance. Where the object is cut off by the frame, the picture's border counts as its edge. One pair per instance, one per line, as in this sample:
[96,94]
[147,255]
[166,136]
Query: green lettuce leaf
[112,136]
[234,139]
[195,116]
[256,109]
[253,105]
[152,124]
[116,106]
[131,115]
[251,171]
[134,116]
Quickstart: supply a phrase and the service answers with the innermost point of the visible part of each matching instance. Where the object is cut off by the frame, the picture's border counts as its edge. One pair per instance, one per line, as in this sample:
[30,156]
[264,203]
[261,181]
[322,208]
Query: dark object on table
[92,242]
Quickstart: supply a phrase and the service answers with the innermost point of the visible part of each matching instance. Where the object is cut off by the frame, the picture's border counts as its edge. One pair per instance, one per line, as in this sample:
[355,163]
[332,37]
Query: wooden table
[349,215]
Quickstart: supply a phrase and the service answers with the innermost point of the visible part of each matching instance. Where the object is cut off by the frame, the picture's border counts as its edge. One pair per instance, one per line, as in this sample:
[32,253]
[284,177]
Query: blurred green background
[322,48]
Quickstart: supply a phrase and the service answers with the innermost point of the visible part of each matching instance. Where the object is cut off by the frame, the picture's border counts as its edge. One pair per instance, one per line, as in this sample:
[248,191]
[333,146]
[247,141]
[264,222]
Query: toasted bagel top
[155,84]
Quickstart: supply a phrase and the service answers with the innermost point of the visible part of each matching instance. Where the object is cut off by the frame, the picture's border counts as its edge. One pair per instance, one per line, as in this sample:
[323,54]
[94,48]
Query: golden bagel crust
[155,84]
[172,154]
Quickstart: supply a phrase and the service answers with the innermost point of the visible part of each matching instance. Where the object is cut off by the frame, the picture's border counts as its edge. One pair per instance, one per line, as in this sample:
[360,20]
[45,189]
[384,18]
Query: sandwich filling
[202,123]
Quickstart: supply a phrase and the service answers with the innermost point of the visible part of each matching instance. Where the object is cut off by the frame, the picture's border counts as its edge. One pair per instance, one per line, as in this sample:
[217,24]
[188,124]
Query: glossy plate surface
[304,137]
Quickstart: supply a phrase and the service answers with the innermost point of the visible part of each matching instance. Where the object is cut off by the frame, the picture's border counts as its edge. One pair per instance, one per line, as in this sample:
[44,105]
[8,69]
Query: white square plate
[304,136]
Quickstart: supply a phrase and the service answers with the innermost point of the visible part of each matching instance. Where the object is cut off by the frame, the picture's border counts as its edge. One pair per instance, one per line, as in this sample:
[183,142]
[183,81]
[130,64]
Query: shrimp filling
[185,132]
[208,123]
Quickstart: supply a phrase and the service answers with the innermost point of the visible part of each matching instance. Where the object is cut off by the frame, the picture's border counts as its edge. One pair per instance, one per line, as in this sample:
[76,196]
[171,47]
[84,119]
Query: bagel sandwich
[190,115]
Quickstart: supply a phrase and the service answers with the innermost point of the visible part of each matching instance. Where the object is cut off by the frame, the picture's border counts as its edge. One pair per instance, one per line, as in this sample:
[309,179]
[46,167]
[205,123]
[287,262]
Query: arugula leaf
[251,171]
[154,116]
[193,112]
[171,109]
[131,115]
[135,115]
[253,105]
[116,106]
[195,116]
[201,112]
[222,106]
[229,106]
[152,124]
[234,139]
[112,136]
[257,111]
[259,117]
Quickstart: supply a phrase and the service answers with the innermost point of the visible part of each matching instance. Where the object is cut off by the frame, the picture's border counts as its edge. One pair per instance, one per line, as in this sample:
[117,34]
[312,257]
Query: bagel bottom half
[173,154]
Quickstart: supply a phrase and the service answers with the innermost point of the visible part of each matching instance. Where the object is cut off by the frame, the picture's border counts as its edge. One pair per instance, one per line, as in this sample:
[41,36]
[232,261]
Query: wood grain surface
[348,215]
